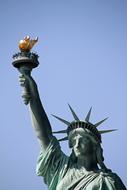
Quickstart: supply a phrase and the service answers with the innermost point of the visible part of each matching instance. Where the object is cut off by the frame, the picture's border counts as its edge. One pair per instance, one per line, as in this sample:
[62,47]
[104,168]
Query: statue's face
[81,143]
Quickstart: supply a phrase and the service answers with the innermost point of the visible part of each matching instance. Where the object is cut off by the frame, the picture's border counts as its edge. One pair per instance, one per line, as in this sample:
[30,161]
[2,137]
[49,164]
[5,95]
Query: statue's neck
[87,162]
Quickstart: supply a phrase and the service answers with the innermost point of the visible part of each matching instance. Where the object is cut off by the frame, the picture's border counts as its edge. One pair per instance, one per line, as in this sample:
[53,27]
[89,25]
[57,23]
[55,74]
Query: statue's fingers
[26,101]
[21,76]
[22,84]
[27,77]
[22,79]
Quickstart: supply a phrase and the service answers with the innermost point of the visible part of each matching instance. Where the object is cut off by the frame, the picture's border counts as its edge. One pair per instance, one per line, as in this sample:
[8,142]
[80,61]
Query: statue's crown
[86,125]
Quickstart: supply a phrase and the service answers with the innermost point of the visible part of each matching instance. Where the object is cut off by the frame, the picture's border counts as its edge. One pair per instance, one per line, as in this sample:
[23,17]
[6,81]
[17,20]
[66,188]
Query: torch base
[25,59]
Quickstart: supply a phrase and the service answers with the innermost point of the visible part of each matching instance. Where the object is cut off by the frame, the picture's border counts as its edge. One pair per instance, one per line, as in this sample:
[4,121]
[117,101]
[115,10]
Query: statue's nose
[77,142]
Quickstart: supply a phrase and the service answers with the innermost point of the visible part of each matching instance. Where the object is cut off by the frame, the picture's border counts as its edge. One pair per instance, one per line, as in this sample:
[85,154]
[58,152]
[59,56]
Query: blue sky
[82,52]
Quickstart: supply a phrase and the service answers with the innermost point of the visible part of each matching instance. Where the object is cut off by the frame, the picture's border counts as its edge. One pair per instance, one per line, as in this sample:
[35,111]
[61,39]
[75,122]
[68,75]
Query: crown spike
[107,131]
[62,131]
[100,122]
[63,139]
[73,113]
[62,120]
[88,115]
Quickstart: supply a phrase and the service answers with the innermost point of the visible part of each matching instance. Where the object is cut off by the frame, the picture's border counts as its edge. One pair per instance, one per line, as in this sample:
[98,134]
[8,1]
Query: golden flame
[27,44]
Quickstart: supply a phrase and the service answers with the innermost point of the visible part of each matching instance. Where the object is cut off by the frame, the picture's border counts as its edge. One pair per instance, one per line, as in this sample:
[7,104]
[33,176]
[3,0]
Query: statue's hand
[25,89]
[29,88]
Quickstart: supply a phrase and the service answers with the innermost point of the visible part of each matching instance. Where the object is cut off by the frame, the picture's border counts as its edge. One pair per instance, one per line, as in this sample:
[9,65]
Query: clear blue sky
[83,61]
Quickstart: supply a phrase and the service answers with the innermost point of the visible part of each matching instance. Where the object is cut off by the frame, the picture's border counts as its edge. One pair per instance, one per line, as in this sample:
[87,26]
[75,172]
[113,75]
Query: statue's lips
[77,150]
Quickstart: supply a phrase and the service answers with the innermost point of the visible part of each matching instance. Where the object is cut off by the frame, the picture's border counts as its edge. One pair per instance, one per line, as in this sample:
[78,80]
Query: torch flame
[27,44]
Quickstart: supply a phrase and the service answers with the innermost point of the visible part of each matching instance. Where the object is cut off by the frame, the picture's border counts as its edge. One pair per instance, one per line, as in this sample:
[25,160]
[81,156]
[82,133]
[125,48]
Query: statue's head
[84,137]
[82,142]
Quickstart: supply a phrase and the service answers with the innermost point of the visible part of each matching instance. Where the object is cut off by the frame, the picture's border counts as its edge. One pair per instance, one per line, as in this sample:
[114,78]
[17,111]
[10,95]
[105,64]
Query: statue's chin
[78,154]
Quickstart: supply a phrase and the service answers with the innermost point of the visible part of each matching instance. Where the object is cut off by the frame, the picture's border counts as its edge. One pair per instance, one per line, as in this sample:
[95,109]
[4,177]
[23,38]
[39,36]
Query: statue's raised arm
[25,61]
[39,118]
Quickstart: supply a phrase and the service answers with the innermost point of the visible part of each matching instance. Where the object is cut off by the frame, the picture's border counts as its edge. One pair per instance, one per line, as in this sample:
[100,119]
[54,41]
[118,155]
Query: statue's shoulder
[113,178]
[108,173]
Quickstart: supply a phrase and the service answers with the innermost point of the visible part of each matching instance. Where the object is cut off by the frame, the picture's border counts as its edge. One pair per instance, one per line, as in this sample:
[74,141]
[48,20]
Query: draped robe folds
[60,173]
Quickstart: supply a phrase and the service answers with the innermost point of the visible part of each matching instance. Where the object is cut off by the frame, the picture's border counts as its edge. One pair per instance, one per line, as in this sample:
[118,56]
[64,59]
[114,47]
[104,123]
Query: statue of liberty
[84,169]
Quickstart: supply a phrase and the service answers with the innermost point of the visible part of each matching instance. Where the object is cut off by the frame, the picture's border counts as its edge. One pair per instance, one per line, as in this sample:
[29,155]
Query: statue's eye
[73,142]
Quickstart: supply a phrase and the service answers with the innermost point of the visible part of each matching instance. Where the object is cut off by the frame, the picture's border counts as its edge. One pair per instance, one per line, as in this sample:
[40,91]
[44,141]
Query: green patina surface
[60,173]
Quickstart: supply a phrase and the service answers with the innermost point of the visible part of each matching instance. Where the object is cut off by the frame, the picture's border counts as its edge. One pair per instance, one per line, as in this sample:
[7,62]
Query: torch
[25,61]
